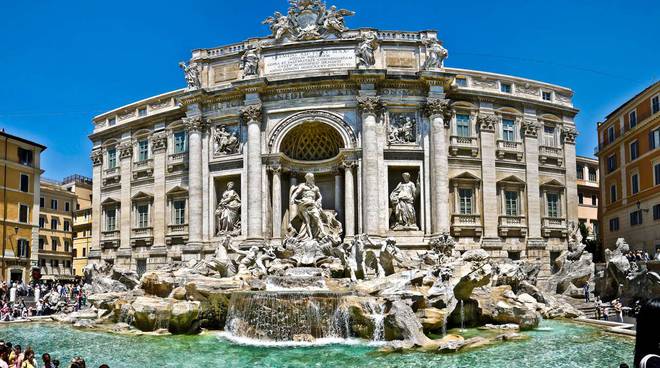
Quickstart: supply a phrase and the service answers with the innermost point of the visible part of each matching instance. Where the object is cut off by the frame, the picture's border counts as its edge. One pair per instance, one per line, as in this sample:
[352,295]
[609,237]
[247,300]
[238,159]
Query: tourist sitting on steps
[647,343]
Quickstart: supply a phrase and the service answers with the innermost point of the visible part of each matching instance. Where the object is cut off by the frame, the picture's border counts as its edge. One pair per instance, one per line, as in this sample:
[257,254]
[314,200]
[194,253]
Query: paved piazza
[397,144]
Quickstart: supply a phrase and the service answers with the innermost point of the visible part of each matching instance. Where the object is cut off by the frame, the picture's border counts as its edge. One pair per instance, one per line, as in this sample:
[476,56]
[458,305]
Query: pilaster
[125,150]
[570,134]
[97,167]
[530,132]
[159,219]
[487,123]
[439,113]
[252,115]
[370,107]
[194,125]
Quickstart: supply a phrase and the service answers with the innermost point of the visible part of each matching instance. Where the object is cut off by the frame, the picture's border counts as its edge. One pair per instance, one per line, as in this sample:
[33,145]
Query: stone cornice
[195,124]
[530,128]
[125,150]
[570,134]
[487,122]
[439,106]
[97,157]
[372,105]
[252,113]
[158,141]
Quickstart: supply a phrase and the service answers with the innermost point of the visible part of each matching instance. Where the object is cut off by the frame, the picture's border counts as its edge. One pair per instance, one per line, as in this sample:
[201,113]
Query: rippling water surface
[556,345]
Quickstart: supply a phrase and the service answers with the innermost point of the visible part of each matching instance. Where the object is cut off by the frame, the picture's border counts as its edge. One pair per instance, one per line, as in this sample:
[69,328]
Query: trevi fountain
[362,206]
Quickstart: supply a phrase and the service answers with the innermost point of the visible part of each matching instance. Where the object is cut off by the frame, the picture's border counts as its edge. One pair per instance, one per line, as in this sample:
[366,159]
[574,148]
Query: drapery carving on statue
[366,48]
[191,74]
[402,199]
[250,61]
[228,212]
[387,260]
[312,231]
[225,141]
[435,54]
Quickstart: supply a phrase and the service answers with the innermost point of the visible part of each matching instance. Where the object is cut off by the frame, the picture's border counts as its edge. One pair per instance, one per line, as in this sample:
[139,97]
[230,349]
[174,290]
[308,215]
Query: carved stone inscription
[309,60]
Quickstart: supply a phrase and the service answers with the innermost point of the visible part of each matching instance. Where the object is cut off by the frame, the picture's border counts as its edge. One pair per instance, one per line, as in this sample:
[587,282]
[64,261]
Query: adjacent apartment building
[55,231]
[588,194]
[81,186]
[20,176]
[629,154]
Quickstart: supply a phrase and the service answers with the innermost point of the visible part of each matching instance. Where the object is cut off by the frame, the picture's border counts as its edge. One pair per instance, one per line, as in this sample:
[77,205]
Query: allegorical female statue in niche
[228,212]
[403,203]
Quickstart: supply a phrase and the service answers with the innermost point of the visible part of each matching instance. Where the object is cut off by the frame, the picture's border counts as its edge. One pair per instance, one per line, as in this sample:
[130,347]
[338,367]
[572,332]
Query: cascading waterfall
[286,315]
[377,313]
[462,317]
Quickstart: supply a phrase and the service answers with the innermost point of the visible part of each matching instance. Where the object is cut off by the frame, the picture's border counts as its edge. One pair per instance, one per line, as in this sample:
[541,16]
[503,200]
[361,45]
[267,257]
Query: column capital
[570,134]
[125,150]
[252,113]
[487,122]
[194,123]
[530,128]
[438,106]
[97,157]
[158,141]
[348,164]
[274,168]
[370,104]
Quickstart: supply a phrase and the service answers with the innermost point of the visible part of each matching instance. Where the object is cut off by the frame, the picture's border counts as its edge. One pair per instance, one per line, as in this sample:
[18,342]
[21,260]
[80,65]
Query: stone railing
[110,234]
[550,151]
[462,223]
[175,160]
[459,143]
[144,164]
[512,223]
[141,232]
[177,229]
[509,147]
[551,225]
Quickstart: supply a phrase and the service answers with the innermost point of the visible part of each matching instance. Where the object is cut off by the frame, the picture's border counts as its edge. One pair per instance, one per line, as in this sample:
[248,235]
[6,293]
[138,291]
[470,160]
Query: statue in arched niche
[403,203]
[228,212]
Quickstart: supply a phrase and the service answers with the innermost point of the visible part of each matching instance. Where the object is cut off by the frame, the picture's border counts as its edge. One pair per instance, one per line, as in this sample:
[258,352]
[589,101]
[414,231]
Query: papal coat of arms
[307,20]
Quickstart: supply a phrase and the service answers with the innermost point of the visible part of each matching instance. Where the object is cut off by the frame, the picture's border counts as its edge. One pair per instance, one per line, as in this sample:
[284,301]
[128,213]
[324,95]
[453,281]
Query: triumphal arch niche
[317,133]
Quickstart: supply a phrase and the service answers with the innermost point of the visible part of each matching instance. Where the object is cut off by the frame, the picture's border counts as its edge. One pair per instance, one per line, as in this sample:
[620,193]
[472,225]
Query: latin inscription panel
[299,61]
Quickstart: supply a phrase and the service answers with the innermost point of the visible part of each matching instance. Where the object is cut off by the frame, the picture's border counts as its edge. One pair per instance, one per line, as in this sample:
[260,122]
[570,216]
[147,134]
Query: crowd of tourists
[639,256]
[13,356]
[20,301]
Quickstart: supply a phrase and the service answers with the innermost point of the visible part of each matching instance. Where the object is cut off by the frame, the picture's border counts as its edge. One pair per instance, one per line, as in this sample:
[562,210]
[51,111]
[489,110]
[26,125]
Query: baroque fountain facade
[333,182]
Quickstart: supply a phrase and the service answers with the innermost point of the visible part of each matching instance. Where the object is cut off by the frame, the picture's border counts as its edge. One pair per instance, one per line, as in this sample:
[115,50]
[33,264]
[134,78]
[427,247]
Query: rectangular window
[614,224]
[67,206]
[112,158]
[142,111]
[42,222]
[143,150]
[508,130]
[142,215]
[549,136]
[655,104]
[25,183]
[656,212]
[463,125]
[612,193]
[505,87]
[54,244]
[23,248]
[112,121]
[654,139]
[110,218]
[511,203]
[580,172]
[592,174]
[547,95]
[553,204]
[42,242]
[53,224]
[634,150]
[656,170]
[25,156]
[465,201]
[632,119]
[180,144]
[66,246]
[611,163]
[42,202]
[67,225]
[84,251]
[580,198]
[23,213]
[594,200]
[179,212]
[610,134]
[636,218]
[53,204]
[461,82]
[634,183]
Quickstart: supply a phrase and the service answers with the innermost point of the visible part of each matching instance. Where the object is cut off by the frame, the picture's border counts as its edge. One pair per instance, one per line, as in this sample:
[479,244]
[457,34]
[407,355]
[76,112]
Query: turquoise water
[559,345]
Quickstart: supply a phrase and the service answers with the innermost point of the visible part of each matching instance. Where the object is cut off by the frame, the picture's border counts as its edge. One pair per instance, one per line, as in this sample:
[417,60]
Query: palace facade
[399,144]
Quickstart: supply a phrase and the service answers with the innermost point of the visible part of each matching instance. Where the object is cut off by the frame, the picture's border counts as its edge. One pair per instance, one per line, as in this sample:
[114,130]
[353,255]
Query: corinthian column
[530,130]
[570,134]
[125,153]
[252,116]
[97,163]
[349,199]
[487,124]
[370,107]
[277,201]
[194,126]
[439,114]
[158,149]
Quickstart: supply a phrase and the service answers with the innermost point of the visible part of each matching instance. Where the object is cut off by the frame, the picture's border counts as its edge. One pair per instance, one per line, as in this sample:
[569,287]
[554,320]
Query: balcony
[554,226]
[465,225]
[177,161]
[55,273]
[111,176]
[142,236]
[509,149]
[143,169]
[512,224]
[176,233]
[550,154]
[463,145]
[109,239]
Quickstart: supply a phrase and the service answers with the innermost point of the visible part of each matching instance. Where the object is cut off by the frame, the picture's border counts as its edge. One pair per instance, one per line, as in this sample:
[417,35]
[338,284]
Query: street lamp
[639,205]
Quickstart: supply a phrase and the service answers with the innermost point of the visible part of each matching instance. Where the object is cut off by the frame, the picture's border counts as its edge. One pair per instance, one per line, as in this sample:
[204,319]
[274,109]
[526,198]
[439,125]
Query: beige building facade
[55,232]
[81,186]
[629,155]
[588,194]
[488,158]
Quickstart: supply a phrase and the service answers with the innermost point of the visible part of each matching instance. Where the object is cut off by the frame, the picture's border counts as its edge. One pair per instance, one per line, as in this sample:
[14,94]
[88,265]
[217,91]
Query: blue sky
[62,62]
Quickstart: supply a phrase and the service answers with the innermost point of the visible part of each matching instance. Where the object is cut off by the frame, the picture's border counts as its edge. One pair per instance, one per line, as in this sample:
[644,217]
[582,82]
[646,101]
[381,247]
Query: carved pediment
[307,20]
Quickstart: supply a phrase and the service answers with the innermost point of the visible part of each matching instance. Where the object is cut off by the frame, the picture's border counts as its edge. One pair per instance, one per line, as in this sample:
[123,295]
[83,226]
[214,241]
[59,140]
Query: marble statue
[333,21]
[307,199]
[191,73]
[389,256]
[225,142]
[436,55]
[403,203]
[402,130]
[307,20]
[366,48]
[278,24]
[575,245]
[228,212]
[250,62]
